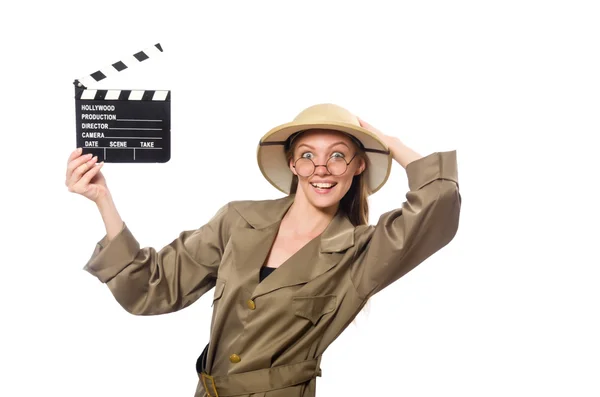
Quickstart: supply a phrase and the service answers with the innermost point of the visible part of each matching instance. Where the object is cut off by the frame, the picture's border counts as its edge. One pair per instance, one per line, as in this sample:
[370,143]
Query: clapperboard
[123,126]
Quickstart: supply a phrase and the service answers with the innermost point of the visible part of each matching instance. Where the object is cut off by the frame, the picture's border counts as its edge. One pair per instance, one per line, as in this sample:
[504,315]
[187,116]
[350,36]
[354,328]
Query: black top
[265,271]
[201,361]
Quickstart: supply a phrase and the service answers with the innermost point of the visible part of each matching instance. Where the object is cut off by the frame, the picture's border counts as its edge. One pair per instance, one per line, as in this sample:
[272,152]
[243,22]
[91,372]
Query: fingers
[369,127]
[87,177]
[82,185]
[75,159]
[74,154]
[78,167]
[363,123]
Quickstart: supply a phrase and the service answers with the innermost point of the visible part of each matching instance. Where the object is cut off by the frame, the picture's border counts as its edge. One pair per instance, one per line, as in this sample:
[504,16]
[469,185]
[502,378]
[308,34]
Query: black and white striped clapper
[123,126]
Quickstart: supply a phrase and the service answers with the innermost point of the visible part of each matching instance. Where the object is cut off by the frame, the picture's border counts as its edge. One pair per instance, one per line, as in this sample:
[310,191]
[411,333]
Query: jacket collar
[338,236]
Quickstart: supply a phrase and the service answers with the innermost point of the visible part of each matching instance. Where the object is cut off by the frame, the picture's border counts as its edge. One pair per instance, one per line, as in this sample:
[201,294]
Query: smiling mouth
[323,185]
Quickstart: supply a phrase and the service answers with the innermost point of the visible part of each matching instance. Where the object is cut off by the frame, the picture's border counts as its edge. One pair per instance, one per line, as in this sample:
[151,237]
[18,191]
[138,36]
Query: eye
[304,154]
[340,154]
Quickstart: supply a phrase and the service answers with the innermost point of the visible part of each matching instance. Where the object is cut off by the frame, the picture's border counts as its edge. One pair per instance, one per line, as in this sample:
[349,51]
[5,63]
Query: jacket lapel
[250,247]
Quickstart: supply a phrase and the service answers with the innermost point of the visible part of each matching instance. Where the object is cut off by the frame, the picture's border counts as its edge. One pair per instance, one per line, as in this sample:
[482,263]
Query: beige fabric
[304,305]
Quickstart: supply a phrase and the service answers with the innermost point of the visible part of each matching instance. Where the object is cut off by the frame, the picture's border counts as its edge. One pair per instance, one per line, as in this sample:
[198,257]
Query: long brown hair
[354,203]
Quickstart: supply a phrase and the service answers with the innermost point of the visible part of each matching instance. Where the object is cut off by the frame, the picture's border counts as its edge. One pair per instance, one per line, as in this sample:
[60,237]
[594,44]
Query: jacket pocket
[219,287]
[313,307]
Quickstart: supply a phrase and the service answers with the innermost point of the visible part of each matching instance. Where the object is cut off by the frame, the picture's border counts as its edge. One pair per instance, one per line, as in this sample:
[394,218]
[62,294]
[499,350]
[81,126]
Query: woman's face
[320,146]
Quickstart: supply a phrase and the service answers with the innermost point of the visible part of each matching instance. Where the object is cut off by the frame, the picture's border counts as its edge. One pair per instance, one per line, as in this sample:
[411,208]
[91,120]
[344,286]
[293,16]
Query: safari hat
[271,148]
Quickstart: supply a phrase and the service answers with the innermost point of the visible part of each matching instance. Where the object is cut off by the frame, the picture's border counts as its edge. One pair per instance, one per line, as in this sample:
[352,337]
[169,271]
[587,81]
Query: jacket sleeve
[405,237]
[148,282]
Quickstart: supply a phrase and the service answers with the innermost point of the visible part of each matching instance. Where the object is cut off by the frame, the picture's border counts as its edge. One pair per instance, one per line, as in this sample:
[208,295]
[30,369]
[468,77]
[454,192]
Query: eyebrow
[332,145]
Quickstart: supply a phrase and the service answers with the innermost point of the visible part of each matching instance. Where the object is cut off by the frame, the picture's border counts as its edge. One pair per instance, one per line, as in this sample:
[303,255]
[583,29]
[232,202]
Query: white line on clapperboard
[135,129]
[136,120]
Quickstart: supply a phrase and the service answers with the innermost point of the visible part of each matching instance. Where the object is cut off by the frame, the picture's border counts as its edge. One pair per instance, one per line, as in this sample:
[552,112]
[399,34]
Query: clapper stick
[123,126]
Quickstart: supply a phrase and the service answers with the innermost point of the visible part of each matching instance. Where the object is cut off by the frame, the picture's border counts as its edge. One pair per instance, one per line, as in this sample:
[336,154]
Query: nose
[321,170]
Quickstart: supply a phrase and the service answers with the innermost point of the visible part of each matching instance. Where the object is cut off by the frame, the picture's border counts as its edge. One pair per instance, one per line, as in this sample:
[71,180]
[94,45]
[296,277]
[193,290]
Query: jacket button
[251,304]
[234,358]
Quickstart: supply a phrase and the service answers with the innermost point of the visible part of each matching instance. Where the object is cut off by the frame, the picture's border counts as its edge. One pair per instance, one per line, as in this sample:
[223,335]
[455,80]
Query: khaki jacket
[289,319]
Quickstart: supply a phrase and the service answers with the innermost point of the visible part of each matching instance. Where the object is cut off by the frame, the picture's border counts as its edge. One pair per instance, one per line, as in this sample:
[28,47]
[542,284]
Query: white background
[509,308]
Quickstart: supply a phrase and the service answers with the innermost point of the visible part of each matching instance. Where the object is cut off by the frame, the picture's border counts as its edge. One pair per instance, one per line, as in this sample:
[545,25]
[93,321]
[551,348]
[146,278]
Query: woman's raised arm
[422,225]
[149,282]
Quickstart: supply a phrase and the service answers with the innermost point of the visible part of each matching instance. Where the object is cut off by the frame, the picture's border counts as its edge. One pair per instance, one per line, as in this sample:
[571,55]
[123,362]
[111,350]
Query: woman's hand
[385,138]
[400,152]
[374,130]
[84,176]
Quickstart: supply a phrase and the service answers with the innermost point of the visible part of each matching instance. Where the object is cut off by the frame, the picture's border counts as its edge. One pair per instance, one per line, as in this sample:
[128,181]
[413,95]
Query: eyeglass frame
[324,165]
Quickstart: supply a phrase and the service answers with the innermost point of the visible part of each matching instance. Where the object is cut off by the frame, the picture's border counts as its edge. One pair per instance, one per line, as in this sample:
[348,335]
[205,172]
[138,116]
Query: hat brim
[274,167]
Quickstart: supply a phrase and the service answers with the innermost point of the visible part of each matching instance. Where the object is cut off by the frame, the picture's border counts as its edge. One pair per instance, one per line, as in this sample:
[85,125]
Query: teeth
[323,185]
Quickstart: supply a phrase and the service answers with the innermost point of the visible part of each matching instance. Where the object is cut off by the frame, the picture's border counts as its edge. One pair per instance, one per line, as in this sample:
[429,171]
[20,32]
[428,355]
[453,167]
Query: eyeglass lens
[306,167]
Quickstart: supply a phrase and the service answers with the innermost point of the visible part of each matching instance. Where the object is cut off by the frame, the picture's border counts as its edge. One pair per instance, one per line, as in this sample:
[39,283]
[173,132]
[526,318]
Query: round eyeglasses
[336,166]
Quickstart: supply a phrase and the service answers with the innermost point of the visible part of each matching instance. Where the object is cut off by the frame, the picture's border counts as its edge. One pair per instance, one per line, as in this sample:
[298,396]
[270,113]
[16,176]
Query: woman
[289,274]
